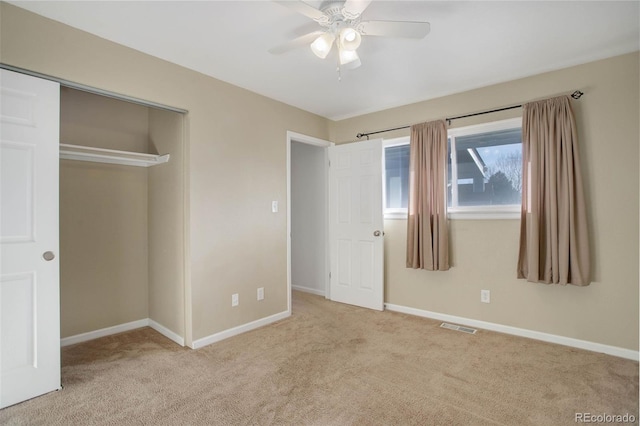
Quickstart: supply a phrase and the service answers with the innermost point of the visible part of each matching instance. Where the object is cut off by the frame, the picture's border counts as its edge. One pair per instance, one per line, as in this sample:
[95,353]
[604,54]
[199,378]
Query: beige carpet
[333,364]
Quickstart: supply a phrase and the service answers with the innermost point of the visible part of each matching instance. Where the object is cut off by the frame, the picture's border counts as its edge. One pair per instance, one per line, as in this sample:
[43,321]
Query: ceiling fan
[341,24]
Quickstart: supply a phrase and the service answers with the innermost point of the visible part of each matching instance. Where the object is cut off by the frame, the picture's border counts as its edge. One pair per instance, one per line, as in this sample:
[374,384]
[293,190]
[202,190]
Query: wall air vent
[458,328]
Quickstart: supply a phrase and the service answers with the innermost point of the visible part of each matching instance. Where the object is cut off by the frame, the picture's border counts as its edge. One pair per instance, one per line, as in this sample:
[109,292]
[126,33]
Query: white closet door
[29,266]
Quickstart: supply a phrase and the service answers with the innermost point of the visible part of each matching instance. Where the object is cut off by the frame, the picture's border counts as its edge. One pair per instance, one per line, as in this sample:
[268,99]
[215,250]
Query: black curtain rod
[575,95]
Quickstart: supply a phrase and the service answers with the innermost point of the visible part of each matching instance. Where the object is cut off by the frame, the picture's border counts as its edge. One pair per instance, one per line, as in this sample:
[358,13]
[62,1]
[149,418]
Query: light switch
[274,207]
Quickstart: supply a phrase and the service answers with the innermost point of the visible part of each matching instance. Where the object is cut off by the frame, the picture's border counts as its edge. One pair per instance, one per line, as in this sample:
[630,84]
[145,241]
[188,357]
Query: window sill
[395,214]
[463,215]
[479,215]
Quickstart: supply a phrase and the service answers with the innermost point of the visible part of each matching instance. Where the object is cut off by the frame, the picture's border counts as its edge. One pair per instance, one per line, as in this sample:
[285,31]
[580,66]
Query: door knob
[376,233]
[48,256]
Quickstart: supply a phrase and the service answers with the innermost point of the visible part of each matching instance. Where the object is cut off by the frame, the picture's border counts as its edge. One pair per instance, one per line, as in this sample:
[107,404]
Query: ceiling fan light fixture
[341,24]
[350,39]
[349,59]
[322,45]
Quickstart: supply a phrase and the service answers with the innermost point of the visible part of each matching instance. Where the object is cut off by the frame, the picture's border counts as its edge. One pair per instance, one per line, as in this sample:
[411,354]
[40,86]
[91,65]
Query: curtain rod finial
[359,135]
[577,94]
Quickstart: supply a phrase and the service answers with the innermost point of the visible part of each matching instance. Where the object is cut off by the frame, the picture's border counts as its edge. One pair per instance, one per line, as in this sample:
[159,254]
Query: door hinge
[329,275]
[329,163]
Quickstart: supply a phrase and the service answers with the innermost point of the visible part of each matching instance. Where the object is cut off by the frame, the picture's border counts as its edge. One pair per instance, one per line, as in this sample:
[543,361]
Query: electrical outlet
[485,296]
[235,299]
[274,207]
[261,293]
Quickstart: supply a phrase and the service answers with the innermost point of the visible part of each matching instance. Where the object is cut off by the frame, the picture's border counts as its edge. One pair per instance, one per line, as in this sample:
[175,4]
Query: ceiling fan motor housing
[335,16]
[342,24]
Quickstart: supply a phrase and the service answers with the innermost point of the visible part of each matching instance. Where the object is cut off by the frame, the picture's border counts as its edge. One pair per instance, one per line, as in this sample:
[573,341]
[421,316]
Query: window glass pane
[449,172]
[396,176]
[489,168]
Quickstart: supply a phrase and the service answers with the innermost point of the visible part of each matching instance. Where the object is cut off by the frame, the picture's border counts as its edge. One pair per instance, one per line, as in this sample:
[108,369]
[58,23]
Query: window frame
[512,211]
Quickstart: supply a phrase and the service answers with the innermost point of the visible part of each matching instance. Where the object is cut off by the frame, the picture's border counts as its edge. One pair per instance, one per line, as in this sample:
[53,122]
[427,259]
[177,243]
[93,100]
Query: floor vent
[458,328]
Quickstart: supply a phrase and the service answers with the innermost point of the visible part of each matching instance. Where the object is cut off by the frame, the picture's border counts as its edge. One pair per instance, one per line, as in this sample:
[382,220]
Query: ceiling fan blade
[407,29]
[306,39]
[354,8]
[302,8]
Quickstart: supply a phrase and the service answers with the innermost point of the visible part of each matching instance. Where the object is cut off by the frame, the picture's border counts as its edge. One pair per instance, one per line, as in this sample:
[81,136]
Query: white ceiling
[471,44]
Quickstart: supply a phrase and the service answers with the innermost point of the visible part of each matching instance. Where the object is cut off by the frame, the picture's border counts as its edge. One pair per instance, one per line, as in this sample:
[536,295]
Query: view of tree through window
[485,169]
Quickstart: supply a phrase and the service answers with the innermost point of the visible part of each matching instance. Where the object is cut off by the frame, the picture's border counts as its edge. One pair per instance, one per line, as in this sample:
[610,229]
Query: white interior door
[356,224]
[29,265]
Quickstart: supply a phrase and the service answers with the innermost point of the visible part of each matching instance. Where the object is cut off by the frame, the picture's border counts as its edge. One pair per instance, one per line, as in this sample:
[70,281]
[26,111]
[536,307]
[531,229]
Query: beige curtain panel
[427,233]
[554,243]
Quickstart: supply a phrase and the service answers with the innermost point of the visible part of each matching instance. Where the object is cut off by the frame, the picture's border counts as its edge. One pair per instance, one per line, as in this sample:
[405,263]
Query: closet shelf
[111,156]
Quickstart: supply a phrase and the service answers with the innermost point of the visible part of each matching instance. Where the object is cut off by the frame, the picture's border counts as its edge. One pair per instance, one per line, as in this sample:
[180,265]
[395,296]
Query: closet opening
[122,217]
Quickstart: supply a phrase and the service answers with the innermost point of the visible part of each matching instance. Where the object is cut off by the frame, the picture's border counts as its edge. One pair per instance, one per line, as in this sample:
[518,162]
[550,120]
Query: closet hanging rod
[110,156]
[575,95]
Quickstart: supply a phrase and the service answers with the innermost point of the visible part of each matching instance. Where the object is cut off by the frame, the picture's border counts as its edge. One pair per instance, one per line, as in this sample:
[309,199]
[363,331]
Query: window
[396,179]
[484,173]
[485,170]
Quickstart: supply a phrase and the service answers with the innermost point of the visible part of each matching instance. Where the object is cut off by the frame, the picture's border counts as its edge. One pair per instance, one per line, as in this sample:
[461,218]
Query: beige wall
[484,252]
[166,223]
[103,217]
[236,155]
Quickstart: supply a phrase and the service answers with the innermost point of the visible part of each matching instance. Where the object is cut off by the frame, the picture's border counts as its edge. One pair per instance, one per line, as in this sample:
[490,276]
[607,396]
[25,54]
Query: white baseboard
[308,290]
[84,337]
[239,330]
[545,337]
[166,332]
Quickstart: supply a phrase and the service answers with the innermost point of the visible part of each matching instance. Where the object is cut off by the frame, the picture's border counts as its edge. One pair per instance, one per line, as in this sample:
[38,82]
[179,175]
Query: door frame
[310,140]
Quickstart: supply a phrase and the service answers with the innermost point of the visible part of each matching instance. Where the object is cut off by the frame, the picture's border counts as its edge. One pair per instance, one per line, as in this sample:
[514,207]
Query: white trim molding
[308,290]
[121,328]
[166,332]
[197,344]
[310,140]
[108,331]
[515,331]
[90,335]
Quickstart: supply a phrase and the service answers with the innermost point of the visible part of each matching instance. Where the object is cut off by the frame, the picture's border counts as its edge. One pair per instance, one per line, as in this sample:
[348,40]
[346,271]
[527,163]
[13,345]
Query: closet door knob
[376,233]
[48,256]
